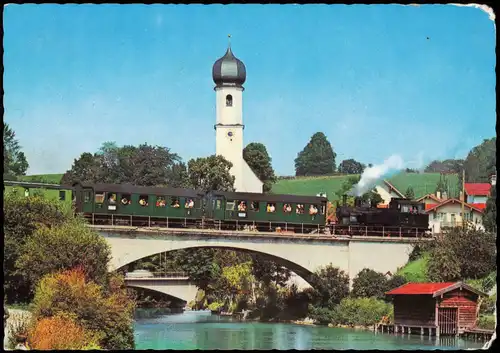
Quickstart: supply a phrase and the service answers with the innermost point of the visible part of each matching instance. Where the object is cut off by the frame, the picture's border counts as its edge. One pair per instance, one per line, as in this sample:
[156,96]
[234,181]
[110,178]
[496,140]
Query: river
[201,330]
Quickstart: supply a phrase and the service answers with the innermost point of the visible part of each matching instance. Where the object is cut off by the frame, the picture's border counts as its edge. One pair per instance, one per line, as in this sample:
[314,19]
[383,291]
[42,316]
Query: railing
[255,227]
[156,275]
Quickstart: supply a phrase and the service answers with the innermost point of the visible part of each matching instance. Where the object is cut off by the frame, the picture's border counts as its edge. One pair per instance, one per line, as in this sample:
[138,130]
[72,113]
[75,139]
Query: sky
[378,80]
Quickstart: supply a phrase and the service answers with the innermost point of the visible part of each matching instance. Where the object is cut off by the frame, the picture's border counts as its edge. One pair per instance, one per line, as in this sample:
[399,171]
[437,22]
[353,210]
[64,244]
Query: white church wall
[251,182]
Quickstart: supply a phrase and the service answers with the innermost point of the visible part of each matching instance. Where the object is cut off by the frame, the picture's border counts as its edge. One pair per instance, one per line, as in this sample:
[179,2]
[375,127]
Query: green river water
[201,330]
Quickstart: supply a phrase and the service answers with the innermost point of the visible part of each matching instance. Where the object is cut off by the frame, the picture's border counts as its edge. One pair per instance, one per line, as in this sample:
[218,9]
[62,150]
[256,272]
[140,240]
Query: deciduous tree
[317,157]
[369,283]
[490,213]
[481,162]
[210,173]
[331,284]
[351,166]
[257,158]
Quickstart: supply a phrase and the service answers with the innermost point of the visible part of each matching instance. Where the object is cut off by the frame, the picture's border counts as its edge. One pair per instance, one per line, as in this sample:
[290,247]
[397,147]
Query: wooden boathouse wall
[445,308]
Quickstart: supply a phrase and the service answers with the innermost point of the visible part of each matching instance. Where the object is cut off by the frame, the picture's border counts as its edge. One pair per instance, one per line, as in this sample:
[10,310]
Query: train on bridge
[132,205]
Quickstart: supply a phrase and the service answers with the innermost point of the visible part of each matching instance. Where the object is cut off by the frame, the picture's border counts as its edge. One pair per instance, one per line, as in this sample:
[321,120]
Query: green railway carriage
[124,201]
[60,193]
[267,211]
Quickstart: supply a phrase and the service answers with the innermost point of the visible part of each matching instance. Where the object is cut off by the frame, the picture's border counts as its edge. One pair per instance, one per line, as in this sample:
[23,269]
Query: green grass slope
[422,184]
[47,178]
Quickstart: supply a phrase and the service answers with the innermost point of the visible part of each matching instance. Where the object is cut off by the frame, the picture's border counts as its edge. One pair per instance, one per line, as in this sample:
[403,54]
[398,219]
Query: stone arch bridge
[302,254]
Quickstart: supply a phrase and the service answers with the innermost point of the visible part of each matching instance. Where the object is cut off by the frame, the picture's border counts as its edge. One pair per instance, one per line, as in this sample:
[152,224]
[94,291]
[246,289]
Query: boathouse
[447,308]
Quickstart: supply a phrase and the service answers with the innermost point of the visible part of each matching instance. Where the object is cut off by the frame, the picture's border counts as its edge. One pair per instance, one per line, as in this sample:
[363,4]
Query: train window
[299,209]
[313,210]
[111,198]
[271,208]
[254,206]
[322,210]
[287,208]
[143,200]
[62,195]
[126,199]
[160,201]
[86,196]
[189,203]
[217,204]
[242,206]
[175,203]
[99,197]
[230,206]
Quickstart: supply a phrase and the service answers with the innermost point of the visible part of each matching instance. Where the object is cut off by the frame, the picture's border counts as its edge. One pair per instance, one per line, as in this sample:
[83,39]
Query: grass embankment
[422,184]
[415,271]
[45,178]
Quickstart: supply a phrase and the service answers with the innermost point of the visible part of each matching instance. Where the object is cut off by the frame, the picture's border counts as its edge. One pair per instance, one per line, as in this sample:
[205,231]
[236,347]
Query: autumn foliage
[61,332]
[104,313]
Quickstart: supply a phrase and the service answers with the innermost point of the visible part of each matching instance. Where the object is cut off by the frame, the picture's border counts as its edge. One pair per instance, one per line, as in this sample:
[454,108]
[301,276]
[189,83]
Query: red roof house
[478,189]
[449,307]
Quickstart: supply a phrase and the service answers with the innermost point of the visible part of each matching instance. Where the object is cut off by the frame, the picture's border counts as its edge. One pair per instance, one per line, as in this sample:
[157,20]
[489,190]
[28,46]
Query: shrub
[369,283]
[331,285]
[66,246]
[23,216]
[62,332]
[322,315]
[362,311]
[486,322]
[395,282]
[443,265]
[488,305]
[108,311]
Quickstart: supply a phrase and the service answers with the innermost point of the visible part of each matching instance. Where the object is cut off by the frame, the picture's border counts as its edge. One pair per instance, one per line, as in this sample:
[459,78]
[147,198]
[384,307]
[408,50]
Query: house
[477,192]
[447,308]
[448,214]
[429,200]
[387,191]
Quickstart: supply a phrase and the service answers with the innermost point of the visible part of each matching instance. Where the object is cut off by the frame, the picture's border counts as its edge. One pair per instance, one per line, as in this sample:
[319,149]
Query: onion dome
[229,70]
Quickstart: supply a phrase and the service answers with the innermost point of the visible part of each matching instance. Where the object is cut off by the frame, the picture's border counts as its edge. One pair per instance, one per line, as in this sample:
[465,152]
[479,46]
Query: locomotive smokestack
[357,201]
[344,200]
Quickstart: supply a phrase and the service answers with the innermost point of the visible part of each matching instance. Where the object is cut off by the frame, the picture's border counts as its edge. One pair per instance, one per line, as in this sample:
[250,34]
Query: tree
[481,162]
[257,158]
[317,157]
[443,265]
[350,166]
[210,173]
[490,213]
[14,160]
[442,185]
[395,282]
[331,284]
[369,283]
[143,165]
[446,166]
[269,272]
[23,216]
[105,310]
[371,196]
[410,194]
[199,265]
[64,247]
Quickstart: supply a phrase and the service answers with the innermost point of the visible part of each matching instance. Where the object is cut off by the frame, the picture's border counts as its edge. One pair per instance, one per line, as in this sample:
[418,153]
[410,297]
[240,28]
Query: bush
[488,305]
[443,265]
[486,322]
[322,315]
[62,332]
[331,285]
[23,216]
[108,311]
[369,283]
[395,282]
[362,311]
[64,247]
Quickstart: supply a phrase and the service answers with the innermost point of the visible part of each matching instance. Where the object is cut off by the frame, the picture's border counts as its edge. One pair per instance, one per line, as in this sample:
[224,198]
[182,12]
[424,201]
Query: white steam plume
[372,175]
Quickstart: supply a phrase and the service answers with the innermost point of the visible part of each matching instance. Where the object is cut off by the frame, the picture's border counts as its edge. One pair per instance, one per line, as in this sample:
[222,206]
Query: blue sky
[366,75]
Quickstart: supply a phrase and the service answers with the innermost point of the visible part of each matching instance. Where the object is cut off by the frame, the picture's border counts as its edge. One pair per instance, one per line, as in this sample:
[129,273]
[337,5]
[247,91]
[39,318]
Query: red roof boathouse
[447,308]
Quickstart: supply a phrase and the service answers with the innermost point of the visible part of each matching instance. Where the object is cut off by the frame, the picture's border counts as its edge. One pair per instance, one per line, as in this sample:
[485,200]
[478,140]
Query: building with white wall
[448,214]
[229,75]
[387,191]
[477,192]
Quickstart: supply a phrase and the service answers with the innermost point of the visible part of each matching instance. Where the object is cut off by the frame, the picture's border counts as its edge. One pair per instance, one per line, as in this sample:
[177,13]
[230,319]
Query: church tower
[229,74]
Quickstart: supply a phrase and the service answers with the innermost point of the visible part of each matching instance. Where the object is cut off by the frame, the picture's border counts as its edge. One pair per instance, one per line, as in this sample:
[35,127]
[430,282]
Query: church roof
[229,70]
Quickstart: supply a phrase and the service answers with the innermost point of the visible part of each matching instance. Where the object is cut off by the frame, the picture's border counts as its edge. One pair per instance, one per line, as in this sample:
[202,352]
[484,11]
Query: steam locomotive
[402,217]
